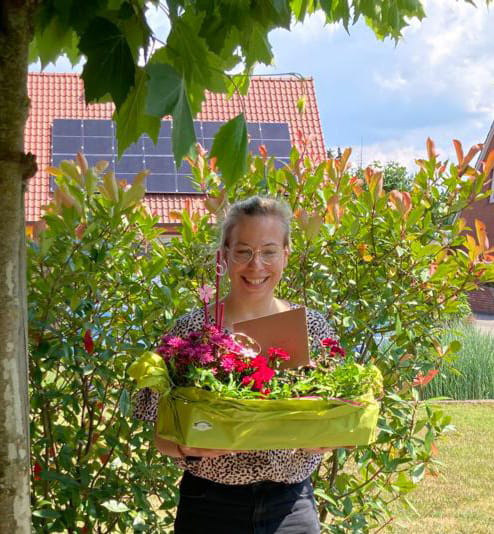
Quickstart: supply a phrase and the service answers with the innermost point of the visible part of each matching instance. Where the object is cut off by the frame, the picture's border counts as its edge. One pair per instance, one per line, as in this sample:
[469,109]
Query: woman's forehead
[261,229]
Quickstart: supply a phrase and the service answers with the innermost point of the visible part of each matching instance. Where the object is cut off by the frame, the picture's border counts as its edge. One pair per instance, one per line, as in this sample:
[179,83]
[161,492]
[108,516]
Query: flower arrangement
[214,360]
[218,391]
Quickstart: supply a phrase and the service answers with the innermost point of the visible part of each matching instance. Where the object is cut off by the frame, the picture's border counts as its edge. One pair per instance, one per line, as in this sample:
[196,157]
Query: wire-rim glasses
[245,254]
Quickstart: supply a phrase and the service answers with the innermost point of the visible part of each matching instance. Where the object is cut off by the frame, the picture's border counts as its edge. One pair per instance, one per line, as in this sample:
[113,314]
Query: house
[482,300]
[60,123]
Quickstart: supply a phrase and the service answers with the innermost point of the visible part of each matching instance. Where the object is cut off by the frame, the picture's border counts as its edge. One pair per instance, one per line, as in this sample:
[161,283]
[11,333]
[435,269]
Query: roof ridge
[259,77]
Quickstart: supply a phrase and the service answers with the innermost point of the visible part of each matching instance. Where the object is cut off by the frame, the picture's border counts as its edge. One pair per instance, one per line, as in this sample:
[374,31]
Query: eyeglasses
[245,254]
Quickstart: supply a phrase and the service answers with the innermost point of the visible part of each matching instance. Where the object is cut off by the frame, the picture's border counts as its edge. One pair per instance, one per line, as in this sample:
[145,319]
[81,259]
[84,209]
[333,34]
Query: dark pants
[259,508]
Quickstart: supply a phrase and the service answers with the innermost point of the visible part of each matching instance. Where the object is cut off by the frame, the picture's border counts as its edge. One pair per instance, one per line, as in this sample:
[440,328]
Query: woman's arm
[170,448]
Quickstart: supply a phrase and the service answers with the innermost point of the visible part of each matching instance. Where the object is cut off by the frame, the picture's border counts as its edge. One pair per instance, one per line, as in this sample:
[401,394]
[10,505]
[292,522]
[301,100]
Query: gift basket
[218,391]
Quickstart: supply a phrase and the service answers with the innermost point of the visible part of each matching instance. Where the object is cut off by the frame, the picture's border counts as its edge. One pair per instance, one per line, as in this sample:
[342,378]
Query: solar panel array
[96,139]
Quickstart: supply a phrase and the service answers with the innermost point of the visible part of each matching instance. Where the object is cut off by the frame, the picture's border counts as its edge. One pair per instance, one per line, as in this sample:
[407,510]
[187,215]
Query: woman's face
[264,234]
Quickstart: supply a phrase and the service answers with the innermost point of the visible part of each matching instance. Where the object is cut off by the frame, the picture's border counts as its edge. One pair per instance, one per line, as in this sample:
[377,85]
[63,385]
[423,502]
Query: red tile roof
[61,96]
[482,300]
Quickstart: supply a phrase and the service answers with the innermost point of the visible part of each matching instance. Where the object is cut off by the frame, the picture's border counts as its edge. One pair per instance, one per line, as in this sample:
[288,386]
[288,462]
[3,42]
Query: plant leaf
[165,87]
[114,506]
[110,67]
[131,120]
[230,147]
[183,134]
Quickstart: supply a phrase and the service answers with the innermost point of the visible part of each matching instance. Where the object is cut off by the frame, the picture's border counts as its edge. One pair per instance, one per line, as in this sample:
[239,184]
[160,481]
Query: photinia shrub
[95,303]
[386,268]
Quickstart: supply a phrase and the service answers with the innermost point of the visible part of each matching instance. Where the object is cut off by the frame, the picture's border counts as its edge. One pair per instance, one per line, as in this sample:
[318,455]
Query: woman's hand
[170,448]
[202,453]
[322,450]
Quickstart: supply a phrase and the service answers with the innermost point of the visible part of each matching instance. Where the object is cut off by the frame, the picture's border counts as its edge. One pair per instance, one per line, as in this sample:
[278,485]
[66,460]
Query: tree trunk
[15,168]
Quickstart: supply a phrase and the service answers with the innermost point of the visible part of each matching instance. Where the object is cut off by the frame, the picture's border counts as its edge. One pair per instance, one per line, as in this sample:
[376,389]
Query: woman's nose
[256,259]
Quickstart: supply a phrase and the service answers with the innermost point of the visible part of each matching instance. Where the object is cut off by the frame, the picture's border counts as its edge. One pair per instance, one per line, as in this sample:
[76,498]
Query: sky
[382,99]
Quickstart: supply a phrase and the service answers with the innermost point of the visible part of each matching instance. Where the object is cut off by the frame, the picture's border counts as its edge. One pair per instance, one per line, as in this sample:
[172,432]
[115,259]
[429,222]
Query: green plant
[471,374]
[94,304]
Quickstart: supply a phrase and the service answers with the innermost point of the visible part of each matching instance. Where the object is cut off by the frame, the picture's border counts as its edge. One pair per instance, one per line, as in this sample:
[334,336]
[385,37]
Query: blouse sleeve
[318,328]
[145,401]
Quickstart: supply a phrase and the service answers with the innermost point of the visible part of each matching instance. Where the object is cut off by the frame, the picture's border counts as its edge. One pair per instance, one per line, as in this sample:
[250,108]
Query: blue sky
[385,100]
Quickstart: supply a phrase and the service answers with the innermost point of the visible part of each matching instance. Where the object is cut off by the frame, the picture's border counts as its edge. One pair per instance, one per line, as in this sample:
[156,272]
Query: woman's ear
[286,253]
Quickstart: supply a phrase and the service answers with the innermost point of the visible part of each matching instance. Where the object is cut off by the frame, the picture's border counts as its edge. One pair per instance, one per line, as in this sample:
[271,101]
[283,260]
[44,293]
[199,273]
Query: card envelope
[286,330]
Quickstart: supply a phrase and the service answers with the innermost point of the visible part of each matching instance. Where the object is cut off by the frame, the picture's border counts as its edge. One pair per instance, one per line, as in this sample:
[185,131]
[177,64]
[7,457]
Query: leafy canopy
[207,39]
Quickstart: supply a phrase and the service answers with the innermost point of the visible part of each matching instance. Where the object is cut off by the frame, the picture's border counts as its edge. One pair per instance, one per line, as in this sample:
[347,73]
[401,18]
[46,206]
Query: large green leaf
[165,87]
[183,134]
[110,67]
[230,147]
[191,56]
[49,42]
[257,47]
[131,119]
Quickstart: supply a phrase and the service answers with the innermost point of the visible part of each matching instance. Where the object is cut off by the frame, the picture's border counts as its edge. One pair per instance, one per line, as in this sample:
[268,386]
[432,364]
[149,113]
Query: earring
[221,268]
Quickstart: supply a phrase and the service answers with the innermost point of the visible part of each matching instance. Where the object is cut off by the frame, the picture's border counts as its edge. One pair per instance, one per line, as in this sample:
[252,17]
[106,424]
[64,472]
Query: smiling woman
[265,491]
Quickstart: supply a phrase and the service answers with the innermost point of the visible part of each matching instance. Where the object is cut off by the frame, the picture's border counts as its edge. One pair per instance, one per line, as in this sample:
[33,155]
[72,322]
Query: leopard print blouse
[285,465]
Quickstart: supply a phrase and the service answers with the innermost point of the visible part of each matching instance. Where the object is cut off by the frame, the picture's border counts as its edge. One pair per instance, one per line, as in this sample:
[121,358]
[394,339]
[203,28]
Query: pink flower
[176,343]
[228,362]
[205,293]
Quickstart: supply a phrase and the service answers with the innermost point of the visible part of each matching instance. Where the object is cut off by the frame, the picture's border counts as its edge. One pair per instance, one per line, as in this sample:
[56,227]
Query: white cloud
[393,82]
[313,27]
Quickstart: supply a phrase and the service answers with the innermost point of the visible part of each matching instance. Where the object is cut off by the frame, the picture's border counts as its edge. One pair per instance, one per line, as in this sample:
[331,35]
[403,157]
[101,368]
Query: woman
[262,492]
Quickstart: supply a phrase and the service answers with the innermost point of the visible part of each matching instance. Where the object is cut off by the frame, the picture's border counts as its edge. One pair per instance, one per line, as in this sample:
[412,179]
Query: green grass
[475,362]
[461,499]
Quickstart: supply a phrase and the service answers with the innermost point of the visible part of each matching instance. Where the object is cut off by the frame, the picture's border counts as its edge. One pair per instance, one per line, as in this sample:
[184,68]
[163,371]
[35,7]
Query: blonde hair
[254,207]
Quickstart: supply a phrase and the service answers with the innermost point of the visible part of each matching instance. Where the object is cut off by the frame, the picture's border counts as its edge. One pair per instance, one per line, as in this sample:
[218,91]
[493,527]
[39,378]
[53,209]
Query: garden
[388,268]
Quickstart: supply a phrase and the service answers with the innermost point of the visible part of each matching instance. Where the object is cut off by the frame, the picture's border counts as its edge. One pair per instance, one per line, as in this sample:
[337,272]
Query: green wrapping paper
[198,418]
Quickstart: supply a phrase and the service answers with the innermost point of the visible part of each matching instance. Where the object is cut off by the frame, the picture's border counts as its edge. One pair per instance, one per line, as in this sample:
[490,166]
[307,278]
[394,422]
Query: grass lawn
[461,499]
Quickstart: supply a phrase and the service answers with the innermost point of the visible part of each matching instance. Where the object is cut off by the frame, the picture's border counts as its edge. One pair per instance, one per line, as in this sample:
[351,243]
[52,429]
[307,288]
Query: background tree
[395,175]
[206,40]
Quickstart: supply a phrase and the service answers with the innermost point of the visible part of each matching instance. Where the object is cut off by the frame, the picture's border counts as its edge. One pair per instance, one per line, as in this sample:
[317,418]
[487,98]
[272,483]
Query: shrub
[385,268]
[93,305]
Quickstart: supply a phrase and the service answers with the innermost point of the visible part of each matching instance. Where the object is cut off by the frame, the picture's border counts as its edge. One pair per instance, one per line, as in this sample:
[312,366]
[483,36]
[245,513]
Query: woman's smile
[254,282]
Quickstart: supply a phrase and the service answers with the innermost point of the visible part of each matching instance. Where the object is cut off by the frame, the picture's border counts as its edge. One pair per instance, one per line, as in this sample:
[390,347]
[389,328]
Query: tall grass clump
[472,373]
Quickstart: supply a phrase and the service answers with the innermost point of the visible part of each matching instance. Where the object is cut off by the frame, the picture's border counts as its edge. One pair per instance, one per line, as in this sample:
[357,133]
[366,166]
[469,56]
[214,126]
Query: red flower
[329,342]
[278,354]
[258,362]
[37,470]
[240,366]
[334,347]
[88,342]
[257,379]
[422,380]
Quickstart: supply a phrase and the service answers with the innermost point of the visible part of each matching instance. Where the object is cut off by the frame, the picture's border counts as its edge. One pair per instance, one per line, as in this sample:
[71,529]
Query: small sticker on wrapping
[202,426]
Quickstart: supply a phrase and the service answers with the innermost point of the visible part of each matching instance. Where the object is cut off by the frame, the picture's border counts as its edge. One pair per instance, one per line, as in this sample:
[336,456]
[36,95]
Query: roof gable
[61,96]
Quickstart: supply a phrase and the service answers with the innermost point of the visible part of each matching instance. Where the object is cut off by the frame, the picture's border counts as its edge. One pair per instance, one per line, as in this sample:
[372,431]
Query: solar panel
[96,139]
[274,130]
[161,183]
